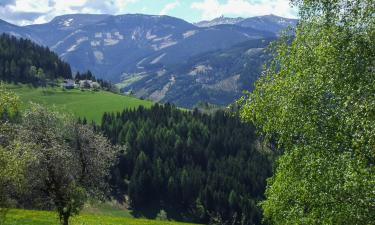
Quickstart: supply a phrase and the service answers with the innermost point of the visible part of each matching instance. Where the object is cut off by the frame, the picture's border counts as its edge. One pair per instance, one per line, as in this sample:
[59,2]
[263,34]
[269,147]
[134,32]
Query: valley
[150,55]
[165,113]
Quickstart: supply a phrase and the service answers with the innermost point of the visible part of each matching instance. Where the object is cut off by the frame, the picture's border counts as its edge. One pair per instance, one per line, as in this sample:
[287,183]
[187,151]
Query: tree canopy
[316,98]
[47,160]
[72,161]
[196,165]
[23,61]
[12,159]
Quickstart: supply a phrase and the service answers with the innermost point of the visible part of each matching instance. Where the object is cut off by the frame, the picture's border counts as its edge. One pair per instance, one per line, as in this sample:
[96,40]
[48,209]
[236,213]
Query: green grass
[89,104]
[31,217]
[109,208]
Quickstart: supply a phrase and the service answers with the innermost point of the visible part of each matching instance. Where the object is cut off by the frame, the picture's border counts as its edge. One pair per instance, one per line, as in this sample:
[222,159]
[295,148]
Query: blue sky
[23,12]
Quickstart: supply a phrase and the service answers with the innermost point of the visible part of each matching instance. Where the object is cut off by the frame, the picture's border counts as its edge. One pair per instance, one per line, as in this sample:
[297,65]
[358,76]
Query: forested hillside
[297,149]
[24,61]
[217,77]
[204,166]
[183,162]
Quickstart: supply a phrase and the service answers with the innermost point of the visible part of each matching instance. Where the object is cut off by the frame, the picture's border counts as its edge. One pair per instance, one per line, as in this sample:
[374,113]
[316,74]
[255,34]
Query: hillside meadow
[89,104]
[32,217]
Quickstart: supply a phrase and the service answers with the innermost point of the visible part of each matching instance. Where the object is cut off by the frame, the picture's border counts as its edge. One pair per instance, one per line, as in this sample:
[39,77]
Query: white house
[88,84]
[85,83]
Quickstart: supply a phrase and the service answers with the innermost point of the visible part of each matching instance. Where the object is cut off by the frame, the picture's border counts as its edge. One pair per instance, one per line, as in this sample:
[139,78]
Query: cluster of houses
[82,84]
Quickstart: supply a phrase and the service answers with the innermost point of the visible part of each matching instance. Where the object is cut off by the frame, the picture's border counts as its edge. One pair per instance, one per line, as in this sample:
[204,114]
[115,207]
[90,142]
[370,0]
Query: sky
[25,12]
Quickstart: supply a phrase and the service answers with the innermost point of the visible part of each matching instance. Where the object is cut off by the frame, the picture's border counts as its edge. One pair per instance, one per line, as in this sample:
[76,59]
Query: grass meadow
[89,104]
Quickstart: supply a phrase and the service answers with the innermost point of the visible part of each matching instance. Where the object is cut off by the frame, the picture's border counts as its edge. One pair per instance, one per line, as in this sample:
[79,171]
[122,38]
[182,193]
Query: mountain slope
[218,77]
[219,21]
[37,217]
[88,104]
[147,53]
[114,45]
[271,23]
[131,43]
[17,31]
[63,26]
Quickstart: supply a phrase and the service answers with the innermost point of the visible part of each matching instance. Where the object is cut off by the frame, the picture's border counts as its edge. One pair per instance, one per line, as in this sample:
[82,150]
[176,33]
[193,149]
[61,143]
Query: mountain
[217,77]
[219,21]
[62,26]
[132,48]
[18,31]
[114,45]
[270,23]
[111,46]
[69,22]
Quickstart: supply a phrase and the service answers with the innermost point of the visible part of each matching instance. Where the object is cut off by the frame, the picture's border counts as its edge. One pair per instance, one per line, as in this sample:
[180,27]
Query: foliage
[23,61]
[12,159]
[9,102]
[316,99]
[162,215]
[72,160]
[323,188]
[188,161]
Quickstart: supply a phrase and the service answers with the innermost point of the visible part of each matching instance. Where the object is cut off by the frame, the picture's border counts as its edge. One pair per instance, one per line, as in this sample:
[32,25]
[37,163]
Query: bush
[162,215]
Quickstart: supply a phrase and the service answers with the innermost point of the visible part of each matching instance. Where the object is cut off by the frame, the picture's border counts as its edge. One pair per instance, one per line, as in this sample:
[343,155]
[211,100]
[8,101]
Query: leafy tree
[33,71]
[316,99]
[9,102]
[73,162]
[12,159]
[40,74]
[162,215]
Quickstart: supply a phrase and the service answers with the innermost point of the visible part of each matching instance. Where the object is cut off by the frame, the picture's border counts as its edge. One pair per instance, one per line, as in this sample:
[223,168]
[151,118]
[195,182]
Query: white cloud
[23,12]
[168,7]
[213,8]
[28,6]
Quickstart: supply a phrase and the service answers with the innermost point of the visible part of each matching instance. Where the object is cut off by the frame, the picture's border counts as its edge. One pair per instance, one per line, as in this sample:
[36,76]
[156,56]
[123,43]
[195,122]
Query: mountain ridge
[131,47]
[277,23]
[217,77]
[219,20]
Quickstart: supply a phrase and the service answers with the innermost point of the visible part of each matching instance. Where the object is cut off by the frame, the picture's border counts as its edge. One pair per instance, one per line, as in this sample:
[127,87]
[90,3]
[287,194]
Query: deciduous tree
[13,157]
[316,98]
[73,161]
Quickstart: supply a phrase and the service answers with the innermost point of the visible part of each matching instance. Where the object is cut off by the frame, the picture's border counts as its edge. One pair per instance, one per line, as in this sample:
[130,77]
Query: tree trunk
[64,219]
